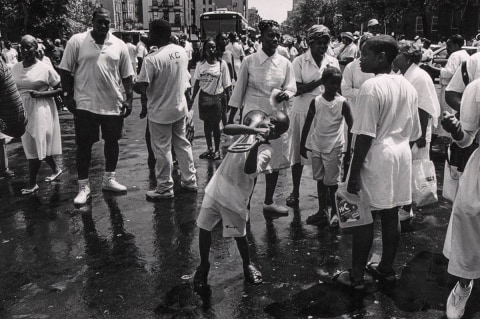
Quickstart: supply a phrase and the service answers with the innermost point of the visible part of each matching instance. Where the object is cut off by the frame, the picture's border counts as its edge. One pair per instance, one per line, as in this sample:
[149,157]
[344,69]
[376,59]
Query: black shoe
[292,201]
[318,218]
[200,278]
[206,154]
[7,173]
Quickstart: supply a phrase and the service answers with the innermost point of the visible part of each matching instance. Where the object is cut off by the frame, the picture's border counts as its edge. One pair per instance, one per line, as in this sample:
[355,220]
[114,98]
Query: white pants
[163,136]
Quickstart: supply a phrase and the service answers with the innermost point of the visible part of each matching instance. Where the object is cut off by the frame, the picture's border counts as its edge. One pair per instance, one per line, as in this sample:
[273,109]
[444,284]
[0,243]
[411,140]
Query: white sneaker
[403,215]
[109,183]
[83,192]
[457,300]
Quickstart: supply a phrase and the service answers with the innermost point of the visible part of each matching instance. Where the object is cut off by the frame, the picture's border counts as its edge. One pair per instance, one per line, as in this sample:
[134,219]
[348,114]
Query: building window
[209,1]
[434,23]
[418,24]
[204,2]
[210,9]
[166,15]
[155,3]
[178,20]
[177,2]
[204,10]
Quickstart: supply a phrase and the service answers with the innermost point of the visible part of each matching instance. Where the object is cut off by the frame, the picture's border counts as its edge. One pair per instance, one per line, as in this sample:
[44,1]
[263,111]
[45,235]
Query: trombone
[244,142]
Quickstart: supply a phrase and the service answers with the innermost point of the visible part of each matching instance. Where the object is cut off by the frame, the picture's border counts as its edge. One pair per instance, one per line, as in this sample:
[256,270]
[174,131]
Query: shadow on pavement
[423,284]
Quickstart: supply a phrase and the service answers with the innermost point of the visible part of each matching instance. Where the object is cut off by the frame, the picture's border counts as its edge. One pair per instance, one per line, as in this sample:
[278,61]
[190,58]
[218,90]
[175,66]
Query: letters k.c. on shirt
[166,72]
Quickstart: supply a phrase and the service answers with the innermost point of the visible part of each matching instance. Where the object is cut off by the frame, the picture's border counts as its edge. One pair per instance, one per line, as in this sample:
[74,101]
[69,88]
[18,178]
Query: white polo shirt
[166,72]
[98,71]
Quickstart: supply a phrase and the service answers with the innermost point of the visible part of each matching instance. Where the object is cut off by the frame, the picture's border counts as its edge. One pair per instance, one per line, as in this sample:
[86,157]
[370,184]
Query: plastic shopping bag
[352,209]
[451,175]
[424,182]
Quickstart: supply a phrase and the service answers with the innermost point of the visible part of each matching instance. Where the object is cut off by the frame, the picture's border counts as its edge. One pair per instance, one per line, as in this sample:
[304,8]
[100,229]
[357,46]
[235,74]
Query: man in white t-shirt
[132,51]
[381,166]
[456,86]
[164,78]
[94,64]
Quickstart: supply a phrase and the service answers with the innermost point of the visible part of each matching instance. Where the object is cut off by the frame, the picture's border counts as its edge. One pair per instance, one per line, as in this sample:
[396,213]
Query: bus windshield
[212,23]
[210,28]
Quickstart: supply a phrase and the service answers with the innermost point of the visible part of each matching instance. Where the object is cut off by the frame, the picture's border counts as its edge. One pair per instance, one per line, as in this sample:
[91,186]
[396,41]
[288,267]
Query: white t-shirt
[141,50]
[230,186]
[306,70]
[213,78]
[166,72]
[453,62]
[132,51]
[98,71]
[473,69]
[189,49]
[327,132]
[237,51]
[389,114]
[426,92]
[470,113]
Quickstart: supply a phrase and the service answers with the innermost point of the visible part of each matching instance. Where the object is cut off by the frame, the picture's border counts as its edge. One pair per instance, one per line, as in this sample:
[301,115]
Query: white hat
[372,22]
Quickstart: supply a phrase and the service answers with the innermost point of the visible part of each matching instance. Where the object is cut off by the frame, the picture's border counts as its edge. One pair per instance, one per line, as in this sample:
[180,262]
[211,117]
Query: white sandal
[54,176]
[28,191]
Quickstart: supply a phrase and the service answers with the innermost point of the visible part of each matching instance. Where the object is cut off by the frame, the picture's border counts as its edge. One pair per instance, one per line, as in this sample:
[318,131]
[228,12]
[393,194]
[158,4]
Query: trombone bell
[244,143]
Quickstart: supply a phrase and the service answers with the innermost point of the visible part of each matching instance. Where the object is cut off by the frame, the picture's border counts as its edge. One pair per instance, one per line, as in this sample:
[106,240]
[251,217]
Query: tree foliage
[43,18]
[350,15]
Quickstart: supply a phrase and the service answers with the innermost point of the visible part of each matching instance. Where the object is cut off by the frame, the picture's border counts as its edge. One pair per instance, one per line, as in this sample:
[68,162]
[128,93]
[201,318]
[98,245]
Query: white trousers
[163,137]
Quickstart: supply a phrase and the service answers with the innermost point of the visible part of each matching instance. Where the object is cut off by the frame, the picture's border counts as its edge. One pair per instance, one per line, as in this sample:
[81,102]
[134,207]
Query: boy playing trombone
[227,194]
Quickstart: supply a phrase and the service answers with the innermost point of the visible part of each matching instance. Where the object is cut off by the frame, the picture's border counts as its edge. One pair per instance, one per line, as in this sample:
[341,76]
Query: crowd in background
[361,108]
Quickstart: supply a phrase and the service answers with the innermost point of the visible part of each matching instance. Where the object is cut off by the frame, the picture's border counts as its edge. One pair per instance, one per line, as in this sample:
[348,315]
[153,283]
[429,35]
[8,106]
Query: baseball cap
[372,22]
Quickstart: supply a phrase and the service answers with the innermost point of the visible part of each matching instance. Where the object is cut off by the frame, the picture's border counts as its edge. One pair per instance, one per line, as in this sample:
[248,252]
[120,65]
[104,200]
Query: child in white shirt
[228,192]
[326,140]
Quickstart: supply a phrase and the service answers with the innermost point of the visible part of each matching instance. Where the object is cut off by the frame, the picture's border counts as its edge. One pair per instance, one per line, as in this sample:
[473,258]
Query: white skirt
[297,120]
[462,243]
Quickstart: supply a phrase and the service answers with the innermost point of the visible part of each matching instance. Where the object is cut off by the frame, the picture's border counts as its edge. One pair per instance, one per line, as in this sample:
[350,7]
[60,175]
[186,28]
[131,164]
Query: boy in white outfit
[228,192]
[327,139]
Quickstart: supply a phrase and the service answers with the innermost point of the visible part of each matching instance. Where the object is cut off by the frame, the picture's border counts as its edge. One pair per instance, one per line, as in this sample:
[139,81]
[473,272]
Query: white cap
[372,22]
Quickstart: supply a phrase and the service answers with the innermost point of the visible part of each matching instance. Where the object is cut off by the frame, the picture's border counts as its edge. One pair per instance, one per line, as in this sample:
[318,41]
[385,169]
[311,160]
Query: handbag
[459,156]
[450,181]
[424,182]
[451,176]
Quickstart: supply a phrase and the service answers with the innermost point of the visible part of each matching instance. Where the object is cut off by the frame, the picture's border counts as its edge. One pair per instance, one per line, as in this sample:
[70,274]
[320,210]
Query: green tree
[43,18]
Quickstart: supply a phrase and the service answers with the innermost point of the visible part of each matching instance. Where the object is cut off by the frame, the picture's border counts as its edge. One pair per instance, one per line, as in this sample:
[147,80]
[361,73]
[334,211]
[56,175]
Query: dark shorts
[87,127]
[210,106]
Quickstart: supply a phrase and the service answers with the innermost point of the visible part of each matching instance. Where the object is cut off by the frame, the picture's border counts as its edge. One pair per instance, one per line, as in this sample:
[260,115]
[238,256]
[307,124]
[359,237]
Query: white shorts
[234,224]
[326,166]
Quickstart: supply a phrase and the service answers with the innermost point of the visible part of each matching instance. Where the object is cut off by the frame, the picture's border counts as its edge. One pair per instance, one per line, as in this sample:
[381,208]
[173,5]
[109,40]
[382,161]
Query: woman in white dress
[407,60]
[38,83]
[266,78]
[308,69]
[462,242]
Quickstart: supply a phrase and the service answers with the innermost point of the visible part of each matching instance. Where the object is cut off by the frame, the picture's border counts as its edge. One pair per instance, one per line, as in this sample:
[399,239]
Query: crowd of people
[305,92]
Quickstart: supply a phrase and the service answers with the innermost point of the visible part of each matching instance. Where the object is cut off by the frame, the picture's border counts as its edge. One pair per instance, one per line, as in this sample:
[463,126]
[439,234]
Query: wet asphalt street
[122,256]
